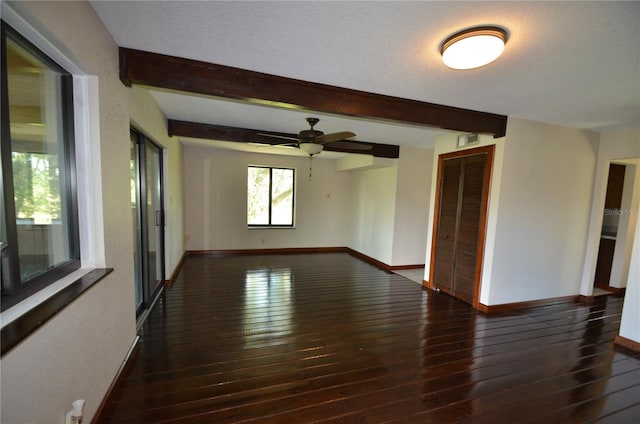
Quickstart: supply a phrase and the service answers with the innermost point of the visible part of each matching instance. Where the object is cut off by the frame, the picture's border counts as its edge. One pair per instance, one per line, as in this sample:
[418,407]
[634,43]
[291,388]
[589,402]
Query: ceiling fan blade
[330,138]
[278,136]
[350,145]
[277,144]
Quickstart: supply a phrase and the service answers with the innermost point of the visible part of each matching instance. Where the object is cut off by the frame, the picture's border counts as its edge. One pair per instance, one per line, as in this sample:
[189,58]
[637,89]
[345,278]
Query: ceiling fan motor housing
[309,136]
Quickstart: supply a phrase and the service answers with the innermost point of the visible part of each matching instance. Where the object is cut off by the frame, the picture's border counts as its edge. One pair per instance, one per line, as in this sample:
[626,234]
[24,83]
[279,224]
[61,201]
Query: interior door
[448,224]
[459,225]
[470,209]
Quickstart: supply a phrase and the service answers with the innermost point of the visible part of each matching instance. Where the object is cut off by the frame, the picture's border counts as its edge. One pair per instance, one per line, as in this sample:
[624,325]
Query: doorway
[459,225]
[148,219]
[618,224]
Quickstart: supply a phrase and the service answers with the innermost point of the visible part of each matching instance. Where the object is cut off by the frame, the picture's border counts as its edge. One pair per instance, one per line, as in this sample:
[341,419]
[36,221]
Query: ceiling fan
[313,141]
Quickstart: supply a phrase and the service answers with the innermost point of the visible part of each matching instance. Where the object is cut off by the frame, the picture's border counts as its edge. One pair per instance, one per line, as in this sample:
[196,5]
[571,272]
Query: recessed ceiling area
[567,63]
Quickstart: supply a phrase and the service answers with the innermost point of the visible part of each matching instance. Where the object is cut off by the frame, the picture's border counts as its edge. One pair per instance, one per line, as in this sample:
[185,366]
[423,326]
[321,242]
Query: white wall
[618,146]
[412,203]
[630,322]
[379,211]
[77,353]
[543,215]
[215,192]
[373,207]
[538,211]
[626,224]
[174,206]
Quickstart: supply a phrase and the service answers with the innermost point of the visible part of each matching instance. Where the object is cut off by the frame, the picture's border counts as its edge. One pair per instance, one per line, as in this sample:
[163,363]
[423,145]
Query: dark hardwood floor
[328,338]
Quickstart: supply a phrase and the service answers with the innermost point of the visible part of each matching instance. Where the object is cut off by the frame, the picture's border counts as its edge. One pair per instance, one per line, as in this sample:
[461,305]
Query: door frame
[150,293]
[489,151]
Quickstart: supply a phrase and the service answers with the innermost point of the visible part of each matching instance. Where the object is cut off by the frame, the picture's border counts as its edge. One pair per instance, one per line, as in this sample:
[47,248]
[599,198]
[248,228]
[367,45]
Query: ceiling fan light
[311,148]
[473,48]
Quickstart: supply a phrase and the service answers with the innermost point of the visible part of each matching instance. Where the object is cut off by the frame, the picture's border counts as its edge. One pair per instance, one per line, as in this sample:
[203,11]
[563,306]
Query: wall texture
[77,354]
[215,192]
[412,203]
[621,146]
[543,215]
[373,208]
[147,117]
[614,145]
[380,212]
[630,322]
[626,224]
[538,212]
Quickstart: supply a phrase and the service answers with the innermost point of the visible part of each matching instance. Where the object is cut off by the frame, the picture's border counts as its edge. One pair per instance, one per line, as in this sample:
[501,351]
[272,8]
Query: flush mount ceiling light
[474,47]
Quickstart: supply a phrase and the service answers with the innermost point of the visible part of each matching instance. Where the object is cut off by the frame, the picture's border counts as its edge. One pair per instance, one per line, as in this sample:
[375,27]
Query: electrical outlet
[76,414]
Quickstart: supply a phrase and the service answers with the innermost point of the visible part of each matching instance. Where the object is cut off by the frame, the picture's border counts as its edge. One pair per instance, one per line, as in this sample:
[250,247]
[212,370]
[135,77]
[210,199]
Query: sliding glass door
[148,218]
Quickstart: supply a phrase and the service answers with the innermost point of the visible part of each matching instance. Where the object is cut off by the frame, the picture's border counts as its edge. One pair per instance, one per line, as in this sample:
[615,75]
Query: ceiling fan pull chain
[310,159]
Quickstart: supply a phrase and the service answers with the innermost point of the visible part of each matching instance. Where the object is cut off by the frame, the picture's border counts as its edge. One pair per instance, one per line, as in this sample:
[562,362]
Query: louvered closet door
[447,224]
[470,204]
[460,215]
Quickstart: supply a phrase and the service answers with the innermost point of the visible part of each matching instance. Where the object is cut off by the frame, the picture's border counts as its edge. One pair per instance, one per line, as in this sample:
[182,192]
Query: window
[39,223]
[270,197]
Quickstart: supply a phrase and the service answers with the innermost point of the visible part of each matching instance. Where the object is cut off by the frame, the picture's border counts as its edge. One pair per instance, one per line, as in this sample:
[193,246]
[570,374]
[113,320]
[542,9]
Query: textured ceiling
[569,63]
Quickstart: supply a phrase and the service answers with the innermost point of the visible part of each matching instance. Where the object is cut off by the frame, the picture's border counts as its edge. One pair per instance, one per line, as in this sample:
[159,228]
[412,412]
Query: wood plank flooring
[325,337]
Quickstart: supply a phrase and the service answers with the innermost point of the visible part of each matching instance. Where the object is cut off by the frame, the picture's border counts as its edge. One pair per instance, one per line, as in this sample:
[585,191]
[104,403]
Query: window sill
[21,320]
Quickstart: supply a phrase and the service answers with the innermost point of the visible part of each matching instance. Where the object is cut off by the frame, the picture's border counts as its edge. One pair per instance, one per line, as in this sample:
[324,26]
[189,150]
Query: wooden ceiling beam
[175,73]
[246,135]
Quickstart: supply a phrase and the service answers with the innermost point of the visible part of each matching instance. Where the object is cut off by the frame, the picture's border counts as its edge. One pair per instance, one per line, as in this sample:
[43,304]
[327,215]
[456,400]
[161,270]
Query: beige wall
[377,207]
[215,192]
[373,208]
[412,203]
[538,219]
[630,321]
[620,146]
[626,223]
[389,204]
[147,116]
[543,216]
[538,212]
[76,354]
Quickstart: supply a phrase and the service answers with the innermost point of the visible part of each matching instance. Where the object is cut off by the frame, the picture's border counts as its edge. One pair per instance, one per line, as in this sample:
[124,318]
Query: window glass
[37,141]
[282,197]
[258,196]
[39,206]
[270,196]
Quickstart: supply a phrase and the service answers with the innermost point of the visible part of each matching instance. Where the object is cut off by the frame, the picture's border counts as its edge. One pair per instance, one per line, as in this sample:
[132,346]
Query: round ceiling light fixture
[474,47]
